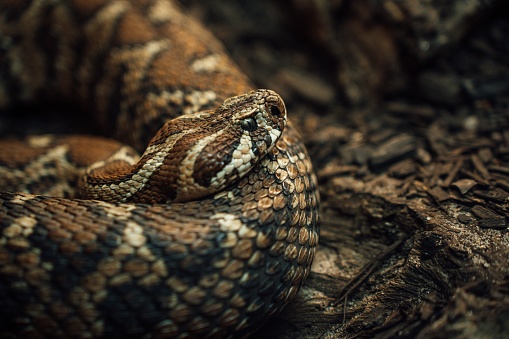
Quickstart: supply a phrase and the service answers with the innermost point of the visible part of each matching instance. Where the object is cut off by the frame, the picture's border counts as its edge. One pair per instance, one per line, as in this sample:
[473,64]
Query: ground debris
[404,106]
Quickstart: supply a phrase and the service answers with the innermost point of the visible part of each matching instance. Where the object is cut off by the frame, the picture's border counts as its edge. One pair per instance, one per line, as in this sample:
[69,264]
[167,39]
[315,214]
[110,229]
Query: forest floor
[404,108]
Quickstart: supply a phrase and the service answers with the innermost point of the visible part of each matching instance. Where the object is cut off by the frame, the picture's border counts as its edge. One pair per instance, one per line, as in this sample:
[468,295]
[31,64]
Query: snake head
[253,124]
[197,154]
[258,116]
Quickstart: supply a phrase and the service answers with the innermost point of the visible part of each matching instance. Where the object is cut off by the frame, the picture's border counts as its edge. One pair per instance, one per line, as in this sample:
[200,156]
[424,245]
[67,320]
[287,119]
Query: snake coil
[208,234]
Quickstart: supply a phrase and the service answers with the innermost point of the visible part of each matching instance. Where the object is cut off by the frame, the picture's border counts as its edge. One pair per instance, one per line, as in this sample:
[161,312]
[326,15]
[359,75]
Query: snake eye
[274,110]
[249,124]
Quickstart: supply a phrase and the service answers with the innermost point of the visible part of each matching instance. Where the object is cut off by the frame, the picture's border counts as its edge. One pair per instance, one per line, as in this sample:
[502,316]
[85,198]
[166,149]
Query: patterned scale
[215,266]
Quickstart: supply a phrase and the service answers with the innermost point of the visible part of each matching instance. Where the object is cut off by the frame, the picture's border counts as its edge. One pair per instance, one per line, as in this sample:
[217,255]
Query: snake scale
[155,257]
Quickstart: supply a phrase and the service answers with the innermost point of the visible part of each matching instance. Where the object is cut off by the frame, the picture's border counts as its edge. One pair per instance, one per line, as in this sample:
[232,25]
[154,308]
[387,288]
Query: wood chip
[475,176]
[438,194]
[403,169]
[496,195]
[464,185]
[485,154]
[404,109]
[479,166]
[501,169]
[334,169]
[484,213]
[308,85]
[496,223]
[392,150]
[453,173]
[465,218]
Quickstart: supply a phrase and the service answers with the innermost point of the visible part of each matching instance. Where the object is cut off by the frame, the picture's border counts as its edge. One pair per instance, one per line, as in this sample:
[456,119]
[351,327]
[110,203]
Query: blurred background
[404,107]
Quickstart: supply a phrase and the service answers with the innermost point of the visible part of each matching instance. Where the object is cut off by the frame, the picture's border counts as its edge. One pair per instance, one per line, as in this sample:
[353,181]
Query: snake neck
[154,178]
[116,181]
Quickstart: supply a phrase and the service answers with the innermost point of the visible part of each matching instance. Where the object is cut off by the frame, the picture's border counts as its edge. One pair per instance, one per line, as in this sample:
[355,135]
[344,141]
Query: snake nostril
[274,110]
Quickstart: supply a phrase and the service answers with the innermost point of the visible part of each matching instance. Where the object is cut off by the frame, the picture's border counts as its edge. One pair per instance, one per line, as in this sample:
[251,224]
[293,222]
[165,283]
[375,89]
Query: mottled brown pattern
[85,150]
[217,266]
[16,153]
[37,164]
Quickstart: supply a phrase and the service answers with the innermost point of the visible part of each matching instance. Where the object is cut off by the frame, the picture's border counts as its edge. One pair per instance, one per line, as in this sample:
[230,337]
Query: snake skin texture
[217,266]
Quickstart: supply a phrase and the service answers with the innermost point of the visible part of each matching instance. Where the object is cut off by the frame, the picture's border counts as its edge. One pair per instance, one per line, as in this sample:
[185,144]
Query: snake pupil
[274,110]
[249,125]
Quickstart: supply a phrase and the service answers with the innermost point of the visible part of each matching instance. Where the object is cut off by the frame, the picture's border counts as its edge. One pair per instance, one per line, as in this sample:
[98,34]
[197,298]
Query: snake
[208,233]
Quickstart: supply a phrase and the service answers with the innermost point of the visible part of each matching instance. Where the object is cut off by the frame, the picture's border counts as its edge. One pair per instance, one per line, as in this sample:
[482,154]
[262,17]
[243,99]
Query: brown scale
[216,267]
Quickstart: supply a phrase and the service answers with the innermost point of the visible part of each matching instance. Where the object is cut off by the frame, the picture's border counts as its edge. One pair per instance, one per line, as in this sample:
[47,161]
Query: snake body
[200,257]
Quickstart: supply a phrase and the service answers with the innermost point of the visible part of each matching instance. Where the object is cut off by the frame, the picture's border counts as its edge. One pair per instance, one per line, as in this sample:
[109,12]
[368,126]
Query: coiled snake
[212,231]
